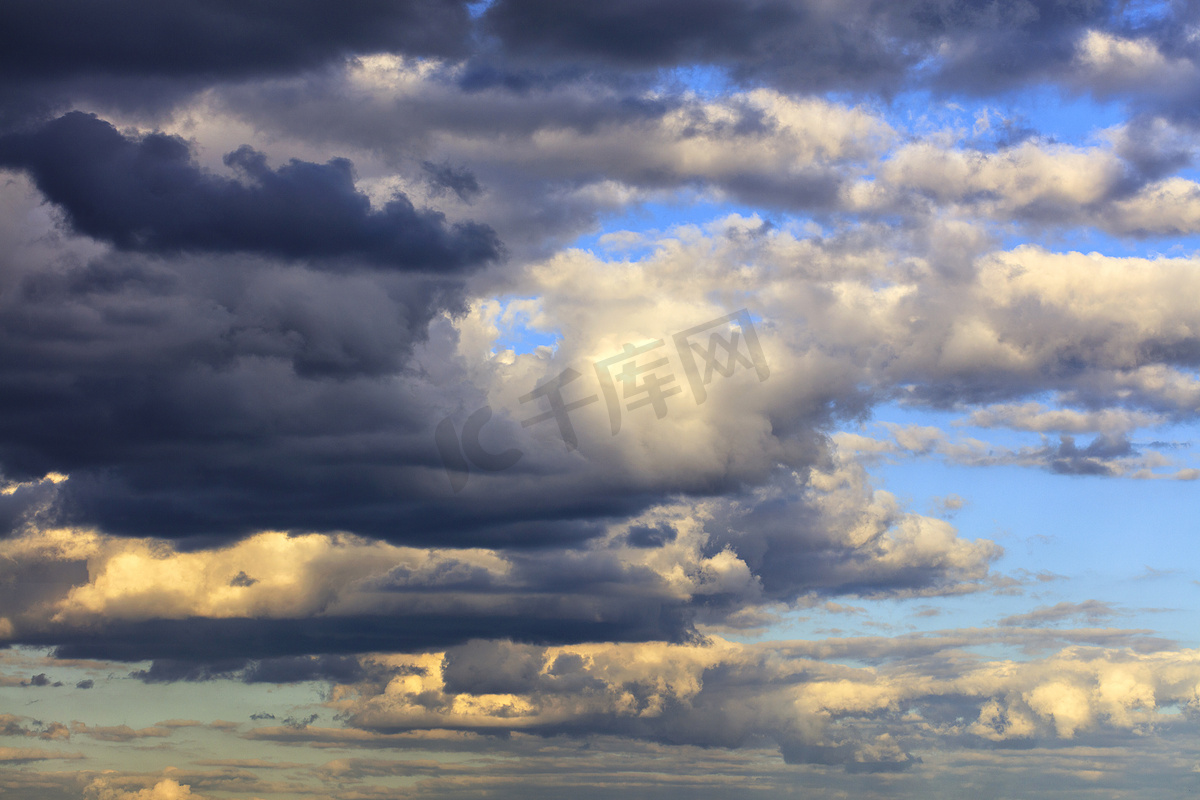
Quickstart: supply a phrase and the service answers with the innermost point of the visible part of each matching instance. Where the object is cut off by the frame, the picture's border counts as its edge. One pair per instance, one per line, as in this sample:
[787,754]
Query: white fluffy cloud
[726,694]
[167,789]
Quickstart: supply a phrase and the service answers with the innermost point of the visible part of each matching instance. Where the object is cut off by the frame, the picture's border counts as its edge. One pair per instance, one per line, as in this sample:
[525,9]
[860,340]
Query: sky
[650,398]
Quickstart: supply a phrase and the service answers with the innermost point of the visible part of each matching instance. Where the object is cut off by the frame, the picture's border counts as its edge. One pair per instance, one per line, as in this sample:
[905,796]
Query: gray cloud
[252,257]
[1093,611]
[148,195]
[208,38]
[804,46]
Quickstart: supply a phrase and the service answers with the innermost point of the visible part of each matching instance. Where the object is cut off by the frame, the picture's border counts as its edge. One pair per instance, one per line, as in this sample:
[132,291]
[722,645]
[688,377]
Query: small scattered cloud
[1092,612]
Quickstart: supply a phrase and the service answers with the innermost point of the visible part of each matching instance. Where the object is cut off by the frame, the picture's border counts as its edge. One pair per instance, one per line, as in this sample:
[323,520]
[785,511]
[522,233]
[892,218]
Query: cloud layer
[432,398]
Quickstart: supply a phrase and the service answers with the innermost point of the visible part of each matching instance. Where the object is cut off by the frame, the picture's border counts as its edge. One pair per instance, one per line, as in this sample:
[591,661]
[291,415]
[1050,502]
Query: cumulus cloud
[654,576]
[168,789]
[285,303]
[724,694]
[148,195]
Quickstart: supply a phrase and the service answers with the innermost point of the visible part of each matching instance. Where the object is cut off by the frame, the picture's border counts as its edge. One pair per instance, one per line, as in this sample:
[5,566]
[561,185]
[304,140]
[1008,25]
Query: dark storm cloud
[287,669]
[77,49]
[168,670]
[863,45]
[204,648]
[216,38]
[147,194]
[157,382]
[363,477]
[342,669]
